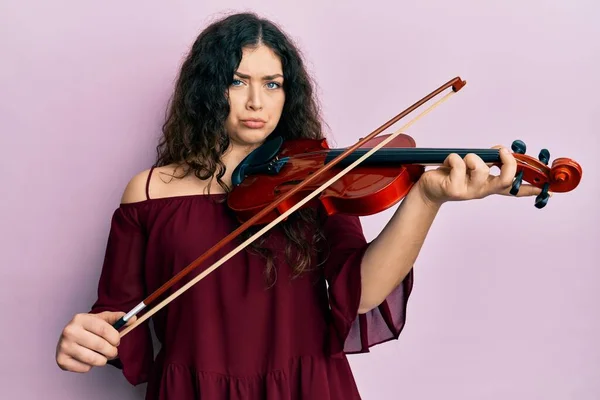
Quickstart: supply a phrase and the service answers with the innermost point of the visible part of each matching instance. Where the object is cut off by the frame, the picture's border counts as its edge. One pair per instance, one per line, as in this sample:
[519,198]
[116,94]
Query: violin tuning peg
[544,156]
[516,185]
[542,199]
[518,146]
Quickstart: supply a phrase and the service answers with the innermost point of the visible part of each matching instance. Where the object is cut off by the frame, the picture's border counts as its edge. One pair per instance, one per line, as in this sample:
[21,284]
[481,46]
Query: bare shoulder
[165,181]
[135,190]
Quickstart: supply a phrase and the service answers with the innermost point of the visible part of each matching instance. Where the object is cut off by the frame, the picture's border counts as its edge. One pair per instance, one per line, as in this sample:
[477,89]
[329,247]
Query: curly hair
[194,131]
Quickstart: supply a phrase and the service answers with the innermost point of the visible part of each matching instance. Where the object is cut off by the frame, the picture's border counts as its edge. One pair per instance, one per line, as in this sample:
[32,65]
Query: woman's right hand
[89,340]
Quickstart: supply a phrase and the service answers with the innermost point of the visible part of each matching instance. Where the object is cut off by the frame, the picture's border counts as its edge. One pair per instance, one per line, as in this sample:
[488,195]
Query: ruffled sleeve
[122,287]
[352,332]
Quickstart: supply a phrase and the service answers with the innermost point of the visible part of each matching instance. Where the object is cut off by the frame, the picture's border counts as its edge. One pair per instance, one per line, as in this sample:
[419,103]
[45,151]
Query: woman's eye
[275,85]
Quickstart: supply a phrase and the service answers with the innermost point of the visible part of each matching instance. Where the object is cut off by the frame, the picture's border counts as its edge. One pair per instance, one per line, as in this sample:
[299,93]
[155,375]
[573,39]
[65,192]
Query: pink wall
[500,311]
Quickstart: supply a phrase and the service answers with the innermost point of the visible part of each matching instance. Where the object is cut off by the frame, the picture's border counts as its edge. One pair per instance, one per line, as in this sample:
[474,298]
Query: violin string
[281,217]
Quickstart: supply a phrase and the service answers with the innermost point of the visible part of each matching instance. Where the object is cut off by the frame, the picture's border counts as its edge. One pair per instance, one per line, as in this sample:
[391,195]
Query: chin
[251,137]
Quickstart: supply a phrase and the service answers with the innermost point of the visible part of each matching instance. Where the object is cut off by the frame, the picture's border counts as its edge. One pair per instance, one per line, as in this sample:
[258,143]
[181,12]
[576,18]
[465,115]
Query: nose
[254,99]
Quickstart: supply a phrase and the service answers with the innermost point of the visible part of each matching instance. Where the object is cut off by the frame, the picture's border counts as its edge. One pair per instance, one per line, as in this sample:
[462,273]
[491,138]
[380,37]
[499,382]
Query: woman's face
[256,97]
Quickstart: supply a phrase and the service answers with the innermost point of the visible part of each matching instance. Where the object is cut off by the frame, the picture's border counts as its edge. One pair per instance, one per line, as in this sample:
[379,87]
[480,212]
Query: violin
[378,183]
[372,175]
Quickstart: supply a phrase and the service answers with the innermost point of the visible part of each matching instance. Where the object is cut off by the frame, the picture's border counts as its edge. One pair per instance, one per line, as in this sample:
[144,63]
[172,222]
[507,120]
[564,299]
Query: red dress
[229,337]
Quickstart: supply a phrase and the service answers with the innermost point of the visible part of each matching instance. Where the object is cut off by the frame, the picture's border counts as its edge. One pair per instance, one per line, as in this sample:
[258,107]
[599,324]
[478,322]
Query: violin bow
[455,84]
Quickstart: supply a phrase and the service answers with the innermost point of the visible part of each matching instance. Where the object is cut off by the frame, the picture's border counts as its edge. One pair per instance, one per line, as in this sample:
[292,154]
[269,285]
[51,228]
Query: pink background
[500,310]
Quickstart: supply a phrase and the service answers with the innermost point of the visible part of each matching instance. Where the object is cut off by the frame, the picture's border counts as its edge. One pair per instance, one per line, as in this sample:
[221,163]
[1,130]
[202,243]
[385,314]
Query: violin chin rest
[259,156]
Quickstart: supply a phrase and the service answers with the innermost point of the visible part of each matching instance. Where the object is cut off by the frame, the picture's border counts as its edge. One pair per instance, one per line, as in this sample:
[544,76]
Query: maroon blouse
[230,337]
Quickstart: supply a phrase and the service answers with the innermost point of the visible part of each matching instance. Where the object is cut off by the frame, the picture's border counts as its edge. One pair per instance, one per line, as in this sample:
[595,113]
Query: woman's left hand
[469,178]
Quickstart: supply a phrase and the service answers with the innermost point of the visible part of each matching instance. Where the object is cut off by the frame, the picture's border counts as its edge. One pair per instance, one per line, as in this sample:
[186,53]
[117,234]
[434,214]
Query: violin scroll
[563,176]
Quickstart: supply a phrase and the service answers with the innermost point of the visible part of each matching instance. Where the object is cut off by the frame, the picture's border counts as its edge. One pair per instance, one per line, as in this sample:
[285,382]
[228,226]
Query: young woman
[276,321]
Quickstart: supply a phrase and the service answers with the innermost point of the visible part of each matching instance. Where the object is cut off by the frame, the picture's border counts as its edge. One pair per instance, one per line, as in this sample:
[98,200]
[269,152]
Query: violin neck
[398,156]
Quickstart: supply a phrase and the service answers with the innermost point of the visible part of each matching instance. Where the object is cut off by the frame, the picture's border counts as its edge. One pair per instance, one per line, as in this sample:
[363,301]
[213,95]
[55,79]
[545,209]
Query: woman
[277,320]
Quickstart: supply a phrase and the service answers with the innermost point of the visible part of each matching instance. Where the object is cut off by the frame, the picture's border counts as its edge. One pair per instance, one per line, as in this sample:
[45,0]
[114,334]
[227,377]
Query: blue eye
[236,81]
[277,85]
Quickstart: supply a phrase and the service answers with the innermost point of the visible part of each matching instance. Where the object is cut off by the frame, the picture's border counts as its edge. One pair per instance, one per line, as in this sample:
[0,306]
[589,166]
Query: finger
[102,328]
[87,356]
[477,169]
[508,170]
[457,166]
[497,163]
[97,344]
[75,338]
[455,184]
[526,190]
[110,316]
[71,364]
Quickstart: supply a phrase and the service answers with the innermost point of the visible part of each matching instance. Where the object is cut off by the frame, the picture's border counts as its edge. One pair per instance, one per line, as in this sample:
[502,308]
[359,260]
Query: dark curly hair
[194,133]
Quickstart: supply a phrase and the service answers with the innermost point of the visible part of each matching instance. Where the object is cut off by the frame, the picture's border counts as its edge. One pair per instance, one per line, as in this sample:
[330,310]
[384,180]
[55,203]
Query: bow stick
[456,84]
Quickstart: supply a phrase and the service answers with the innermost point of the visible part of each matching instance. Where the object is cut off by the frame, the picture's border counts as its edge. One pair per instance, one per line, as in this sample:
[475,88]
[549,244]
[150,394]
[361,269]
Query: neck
[233,156]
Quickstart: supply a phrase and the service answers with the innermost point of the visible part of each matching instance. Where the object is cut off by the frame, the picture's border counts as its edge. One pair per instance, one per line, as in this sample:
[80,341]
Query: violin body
[364,190]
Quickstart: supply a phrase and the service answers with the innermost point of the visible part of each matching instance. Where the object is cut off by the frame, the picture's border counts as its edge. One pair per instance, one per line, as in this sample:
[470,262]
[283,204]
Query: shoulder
[150,180]
[135,190]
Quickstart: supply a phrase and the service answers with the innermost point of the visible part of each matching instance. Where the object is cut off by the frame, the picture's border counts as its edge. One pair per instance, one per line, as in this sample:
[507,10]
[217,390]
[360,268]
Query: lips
[253,123]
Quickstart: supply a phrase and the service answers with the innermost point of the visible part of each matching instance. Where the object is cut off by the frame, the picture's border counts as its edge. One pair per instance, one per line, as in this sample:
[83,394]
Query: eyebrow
[266,77]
